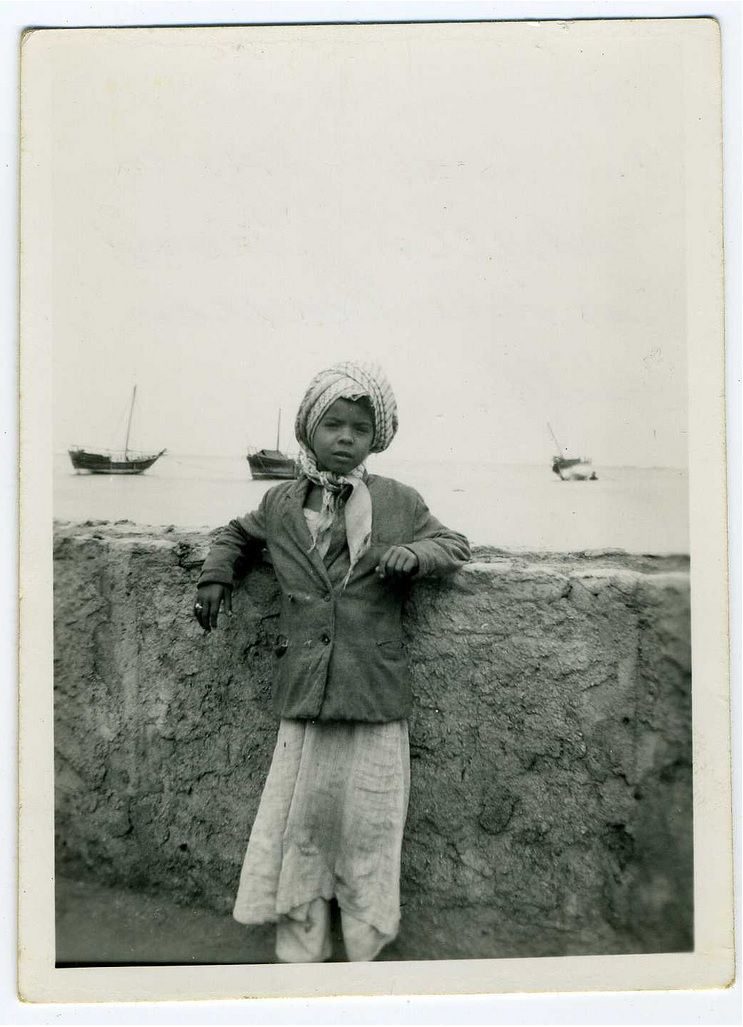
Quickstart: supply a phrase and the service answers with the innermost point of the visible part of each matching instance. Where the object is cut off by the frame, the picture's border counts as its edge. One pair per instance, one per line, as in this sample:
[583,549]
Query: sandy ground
[99,925]
[103,926]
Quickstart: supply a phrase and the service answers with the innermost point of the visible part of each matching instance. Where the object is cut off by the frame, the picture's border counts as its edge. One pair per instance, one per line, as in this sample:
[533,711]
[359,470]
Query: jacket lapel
[295,525]
[337,558]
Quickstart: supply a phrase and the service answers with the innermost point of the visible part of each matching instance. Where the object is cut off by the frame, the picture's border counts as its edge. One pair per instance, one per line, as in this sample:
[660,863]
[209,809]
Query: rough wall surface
[550,808]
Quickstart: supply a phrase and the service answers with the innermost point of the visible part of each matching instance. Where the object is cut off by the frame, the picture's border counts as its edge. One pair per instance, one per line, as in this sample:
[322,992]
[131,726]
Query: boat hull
[102,463]
[573,469]
[271,465]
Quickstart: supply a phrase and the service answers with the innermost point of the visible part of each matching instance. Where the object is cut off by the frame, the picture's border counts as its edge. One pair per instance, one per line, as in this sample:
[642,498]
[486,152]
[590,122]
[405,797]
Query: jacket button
[326,597]
[325,638]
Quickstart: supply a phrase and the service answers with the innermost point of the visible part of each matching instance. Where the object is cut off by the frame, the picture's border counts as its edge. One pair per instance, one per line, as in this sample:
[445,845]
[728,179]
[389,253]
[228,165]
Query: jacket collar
[295,524]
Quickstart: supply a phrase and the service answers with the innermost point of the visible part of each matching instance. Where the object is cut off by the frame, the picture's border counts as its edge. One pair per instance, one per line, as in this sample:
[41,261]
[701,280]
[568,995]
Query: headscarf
[346,380]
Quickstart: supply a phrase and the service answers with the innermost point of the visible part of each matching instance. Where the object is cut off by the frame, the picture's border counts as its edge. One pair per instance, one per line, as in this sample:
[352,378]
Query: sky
[494,213]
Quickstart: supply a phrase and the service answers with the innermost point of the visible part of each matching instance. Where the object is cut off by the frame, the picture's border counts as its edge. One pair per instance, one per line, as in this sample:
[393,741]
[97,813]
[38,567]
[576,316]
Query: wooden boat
[106,461]
[272,463]
[571,468]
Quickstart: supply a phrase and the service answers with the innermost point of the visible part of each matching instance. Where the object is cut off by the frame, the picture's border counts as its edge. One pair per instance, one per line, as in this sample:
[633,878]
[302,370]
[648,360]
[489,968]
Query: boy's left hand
[397,562]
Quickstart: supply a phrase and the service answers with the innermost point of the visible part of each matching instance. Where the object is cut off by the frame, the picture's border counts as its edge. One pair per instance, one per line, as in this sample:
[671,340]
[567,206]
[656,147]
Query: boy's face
[344,436]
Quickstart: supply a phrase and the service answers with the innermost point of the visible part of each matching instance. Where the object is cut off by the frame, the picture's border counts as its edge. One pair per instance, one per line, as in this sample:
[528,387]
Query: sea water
[640,510]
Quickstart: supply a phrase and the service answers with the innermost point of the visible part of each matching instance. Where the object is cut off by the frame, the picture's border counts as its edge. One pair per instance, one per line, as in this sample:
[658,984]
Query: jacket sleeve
[439,549]
[236,547]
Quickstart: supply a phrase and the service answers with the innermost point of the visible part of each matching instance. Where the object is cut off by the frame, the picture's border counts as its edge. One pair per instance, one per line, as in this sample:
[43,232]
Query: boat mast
[557,444]
[278,431]
[129,423]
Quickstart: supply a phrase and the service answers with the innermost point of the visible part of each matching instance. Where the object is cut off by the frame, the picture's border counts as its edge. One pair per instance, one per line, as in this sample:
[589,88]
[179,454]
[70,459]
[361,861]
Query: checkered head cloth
[348,380]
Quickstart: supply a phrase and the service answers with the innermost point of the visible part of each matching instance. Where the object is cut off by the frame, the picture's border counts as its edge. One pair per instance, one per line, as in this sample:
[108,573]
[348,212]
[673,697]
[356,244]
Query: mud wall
[550,806]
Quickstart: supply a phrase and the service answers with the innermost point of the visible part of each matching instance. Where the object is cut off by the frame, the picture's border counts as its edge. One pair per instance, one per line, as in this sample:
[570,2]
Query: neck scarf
[346,380]
[357,511]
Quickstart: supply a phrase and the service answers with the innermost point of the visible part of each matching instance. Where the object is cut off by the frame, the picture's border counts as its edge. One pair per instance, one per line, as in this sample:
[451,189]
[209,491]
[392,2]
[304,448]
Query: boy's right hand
[209,599]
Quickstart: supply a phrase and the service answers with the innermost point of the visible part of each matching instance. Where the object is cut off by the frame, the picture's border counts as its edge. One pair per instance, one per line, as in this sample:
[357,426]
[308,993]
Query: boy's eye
[364,429]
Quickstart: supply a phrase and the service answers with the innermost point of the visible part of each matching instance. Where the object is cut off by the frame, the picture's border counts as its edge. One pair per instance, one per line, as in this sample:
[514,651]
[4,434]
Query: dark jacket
[339,653]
